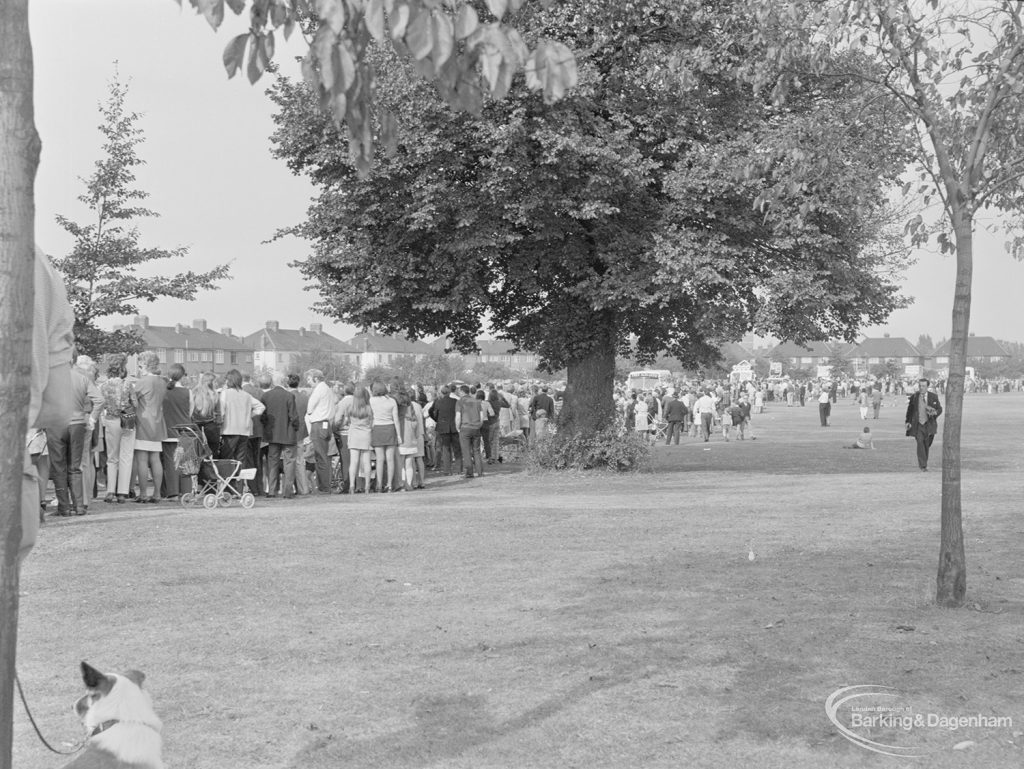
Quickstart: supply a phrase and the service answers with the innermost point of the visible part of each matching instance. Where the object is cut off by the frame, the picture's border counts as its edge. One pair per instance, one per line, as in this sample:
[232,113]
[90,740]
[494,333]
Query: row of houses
[872,351]
[199,348]
[272,348]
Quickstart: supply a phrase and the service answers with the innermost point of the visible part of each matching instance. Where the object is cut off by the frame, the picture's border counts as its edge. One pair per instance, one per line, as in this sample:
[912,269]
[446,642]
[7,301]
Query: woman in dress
[206,411]
[359,417]
[150,432]
[120,438]
[642,425]
[384,434]
[177,412]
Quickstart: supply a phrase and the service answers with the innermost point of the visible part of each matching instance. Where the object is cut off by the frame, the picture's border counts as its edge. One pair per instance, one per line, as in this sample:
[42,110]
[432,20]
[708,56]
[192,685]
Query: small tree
[100,271]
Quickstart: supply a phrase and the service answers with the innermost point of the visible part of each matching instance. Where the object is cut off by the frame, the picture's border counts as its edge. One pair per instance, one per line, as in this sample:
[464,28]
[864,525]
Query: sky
[219,192]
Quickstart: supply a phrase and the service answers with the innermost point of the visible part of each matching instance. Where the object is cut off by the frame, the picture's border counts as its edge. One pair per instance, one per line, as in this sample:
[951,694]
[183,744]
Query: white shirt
[321,405]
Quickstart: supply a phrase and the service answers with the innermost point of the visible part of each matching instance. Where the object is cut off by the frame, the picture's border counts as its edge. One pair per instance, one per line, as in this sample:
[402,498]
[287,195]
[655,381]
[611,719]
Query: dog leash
[32,720]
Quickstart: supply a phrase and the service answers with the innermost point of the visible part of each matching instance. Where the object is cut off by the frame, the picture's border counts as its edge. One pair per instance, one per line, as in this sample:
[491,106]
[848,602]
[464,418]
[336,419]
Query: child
[309,462]
[864,440]
[410,446]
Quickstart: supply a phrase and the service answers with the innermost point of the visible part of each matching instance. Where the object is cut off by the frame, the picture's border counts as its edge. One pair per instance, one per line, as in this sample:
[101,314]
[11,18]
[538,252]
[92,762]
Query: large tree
[957,70]
[101,271]
[634,209]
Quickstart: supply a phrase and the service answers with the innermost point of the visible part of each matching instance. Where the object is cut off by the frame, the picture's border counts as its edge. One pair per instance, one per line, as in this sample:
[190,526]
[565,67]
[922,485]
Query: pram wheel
[210,501]
[187,499]
[224,499]
[248,501]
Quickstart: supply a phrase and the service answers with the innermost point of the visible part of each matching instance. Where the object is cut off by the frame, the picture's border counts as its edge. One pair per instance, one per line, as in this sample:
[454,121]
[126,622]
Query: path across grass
[553,621]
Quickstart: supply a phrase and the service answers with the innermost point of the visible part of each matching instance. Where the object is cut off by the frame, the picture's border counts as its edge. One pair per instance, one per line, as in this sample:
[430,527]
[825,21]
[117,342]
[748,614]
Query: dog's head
[114,699]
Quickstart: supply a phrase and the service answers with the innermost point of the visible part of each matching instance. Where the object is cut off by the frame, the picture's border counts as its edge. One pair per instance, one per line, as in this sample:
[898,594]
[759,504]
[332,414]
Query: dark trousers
[472,461]
[65,449]
[705,425]
[674,429]
[281,460]
[256,456]
[320,436]
[211,431]
[172,480]
[824,410]
[450,450]
[924,443]
[341,441]
[235,447]
[487,435]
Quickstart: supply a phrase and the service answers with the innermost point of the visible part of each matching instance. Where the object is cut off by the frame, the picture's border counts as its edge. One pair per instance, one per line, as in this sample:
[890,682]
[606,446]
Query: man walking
[923,410]
[705,408]
[675,414]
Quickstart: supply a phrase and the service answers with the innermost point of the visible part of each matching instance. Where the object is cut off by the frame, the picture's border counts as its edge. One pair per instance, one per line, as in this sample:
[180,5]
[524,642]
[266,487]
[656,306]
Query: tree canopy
[636,208]
[100,272]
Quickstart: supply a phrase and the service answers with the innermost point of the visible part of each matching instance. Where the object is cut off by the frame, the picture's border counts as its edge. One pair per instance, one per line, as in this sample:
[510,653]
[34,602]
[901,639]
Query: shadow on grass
[446,726]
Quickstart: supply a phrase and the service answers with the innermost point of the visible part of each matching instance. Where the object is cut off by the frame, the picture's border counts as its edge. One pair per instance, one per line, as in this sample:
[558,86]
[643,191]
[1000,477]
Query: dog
[124,732]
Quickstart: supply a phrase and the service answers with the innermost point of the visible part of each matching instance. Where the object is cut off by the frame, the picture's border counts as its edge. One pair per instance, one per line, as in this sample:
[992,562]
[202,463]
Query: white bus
[644,381]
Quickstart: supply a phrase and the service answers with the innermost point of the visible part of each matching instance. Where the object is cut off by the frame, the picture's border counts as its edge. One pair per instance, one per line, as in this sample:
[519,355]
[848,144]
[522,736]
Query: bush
[608,449]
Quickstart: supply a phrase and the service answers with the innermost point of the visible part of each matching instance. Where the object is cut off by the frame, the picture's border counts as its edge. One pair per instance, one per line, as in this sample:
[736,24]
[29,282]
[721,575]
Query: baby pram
[214,481]
[512,447]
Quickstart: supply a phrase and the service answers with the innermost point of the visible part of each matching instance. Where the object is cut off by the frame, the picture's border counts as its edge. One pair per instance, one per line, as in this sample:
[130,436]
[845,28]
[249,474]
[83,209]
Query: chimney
[273,325]
[178,328]
[142,321]
[199,324]
[316,328]
[226,331]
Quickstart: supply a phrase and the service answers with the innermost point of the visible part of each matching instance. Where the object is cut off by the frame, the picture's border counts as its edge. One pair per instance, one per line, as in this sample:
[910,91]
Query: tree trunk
[951,583]
[19,157]
[588,404]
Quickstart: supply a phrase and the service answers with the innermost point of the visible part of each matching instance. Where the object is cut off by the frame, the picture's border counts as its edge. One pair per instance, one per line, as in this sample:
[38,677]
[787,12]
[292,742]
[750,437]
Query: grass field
[550,621]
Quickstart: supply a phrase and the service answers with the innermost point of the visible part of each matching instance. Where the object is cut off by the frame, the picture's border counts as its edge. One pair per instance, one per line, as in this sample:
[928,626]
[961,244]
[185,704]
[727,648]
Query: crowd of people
[300,434]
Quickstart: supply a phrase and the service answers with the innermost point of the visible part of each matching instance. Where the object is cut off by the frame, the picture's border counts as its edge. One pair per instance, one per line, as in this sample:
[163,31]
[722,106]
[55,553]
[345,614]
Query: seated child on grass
[864,440]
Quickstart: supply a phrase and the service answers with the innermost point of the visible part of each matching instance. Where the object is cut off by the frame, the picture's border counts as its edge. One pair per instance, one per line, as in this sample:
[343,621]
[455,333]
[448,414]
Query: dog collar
[104,726]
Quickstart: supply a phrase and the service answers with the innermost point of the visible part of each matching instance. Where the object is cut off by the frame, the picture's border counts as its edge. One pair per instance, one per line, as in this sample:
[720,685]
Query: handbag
[128,418]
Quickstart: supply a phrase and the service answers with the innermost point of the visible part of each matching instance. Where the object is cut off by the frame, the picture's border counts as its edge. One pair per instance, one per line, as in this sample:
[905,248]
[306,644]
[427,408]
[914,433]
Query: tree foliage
[464,48]
[100,272]
[634,209]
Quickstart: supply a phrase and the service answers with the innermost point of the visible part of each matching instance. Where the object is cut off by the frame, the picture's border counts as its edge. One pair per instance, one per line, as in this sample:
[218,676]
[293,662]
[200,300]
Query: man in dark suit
[442,411]
[922,419]
[281,431]
[301,404]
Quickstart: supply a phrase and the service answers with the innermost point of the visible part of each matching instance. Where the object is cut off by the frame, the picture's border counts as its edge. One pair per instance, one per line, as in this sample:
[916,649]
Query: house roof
[790,349]
[977,347]
[884,347]
[370,342]
[188,338]
[296,340]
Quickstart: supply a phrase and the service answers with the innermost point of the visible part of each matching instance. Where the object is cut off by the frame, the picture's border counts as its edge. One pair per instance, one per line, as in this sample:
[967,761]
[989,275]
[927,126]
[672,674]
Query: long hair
[204,397]
[361,404]
[233,379]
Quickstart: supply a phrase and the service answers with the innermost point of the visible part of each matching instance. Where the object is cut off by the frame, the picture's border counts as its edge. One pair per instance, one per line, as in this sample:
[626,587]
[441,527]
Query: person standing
[442,411]
[876,400]
[319,412]
[705,409]
[675,416]
[238,409]
[118,429]
[824,406]
[67,445]
[206,411]
[256,437]
[384,435]
[922,420]
[302,440]
[864,401]
[281,430]
[150,431]
[468,421]
[177,412]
